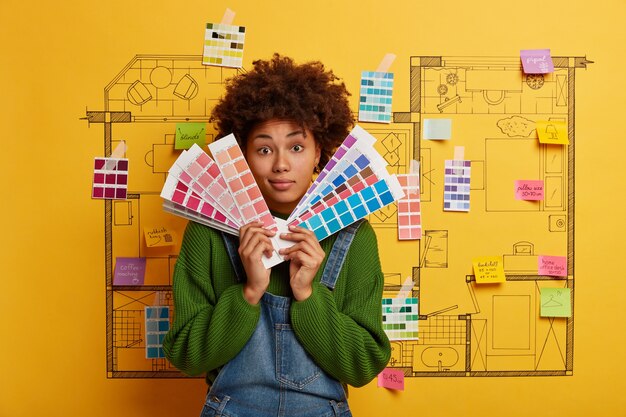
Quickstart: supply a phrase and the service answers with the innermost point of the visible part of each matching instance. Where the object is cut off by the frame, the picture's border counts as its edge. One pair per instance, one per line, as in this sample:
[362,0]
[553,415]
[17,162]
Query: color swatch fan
[222,193]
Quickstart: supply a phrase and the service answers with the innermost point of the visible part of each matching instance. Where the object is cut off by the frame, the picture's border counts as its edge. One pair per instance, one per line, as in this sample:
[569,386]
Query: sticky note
[536,61]
[488,269]
[189,133]
[552,265]
[552,132]
[556,302]
[129,271]
[529,190]
[437,129]
[392,379]
[158,236]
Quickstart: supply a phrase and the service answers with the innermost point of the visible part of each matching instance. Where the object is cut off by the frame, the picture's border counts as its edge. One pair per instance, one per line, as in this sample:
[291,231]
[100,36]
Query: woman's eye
[264,151]
[298,148]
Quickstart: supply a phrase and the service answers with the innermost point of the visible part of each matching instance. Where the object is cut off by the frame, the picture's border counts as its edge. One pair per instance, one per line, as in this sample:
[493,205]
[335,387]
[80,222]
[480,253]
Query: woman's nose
[281,163]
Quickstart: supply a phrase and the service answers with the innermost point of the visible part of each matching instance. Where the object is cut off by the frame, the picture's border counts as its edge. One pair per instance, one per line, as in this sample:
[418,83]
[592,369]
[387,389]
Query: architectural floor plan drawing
[470,329]
[465,328]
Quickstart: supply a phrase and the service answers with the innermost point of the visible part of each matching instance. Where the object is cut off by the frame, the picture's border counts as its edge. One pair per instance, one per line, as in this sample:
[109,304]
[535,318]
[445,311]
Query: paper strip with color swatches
[157,320]
[222,193]
[456,196]
[223,45]
[409,207]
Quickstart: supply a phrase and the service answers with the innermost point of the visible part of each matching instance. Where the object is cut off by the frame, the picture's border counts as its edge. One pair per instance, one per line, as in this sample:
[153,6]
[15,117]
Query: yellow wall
[56,59]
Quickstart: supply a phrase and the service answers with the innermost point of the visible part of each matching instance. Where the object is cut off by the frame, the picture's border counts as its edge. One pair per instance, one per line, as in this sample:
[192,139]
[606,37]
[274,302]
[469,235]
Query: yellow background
[56,59]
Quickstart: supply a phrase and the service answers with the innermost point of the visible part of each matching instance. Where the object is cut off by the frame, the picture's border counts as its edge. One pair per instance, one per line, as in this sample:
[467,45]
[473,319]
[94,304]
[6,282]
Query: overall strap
[232,246]
[338,253]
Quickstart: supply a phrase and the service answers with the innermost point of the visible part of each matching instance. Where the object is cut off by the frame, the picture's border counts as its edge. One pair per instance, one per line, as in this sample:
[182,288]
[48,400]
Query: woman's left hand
[305,258]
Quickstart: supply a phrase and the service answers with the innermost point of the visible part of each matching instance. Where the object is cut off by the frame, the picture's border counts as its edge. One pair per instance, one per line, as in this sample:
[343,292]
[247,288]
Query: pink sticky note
[536,61]
[529,189]
[553,265]
[392,379]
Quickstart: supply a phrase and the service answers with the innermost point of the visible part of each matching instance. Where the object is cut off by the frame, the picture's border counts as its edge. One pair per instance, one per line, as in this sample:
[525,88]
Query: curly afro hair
[279,88]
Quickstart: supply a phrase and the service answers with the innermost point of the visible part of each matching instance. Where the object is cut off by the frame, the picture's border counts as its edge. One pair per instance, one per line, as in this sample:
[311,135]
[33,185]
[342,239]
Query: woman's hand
[254,241]
[305,258]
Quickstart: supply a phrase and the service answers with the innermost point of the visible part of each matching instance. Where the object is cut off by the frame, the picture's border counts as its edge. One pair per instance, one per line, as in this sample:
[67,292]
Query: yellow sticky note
[552,132]
[488,269]
[158,236]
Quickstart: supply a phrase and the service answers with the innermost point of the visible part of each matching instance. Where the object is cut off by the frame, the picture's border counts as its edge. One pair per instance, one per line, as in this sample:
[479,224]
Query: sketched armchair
[187,88]
[138,93]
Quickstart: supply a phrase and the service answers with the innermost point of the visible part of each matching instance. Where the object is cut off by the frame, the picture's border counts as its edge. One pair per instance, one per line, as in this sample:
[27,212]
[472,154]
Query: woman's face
[282,156]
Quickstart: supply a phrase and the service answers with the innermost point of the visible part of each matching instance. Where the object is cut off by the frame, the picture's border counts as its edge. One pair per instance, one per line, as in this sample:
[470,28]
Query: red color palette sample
[110,178]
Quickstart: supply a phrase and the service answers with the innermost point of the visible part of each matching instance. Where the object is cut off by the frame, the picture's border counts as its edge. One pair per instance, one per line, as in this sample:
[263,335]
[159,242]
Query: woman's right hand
[254,241]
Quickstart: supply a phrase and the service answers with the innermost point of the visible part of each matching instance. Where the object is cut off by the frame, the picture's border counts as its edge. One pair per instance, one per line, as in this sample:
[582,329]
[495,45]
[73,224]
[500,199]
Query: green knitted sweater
[341,329]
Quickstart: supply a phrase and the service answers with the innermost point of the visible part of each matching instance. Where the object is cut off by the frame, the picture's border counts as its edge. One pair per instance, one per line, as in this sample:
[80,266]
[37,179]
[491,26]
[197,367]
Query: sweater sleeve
[345,337]
[209,328]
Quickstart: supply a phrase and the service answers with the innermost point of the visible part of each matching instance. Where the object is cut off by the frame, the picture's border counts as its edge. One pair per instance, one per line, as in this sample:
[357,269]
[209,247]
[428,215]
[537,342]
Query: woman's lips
[281,185]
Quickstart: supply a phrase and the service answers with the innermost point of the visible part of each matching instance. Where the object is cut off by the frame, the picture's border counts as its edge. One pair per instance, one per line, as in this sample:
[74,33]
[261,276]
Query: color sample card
[488,269]
[223,45]
[552,132]
[355,207]
[110,178]
[392,379]
[400,318]
[437,129]
[179,193]
[157,326]
[536,61]
[348,168]
[375,97]
[240,182]
[409,208]
[129,271]
[189,133]
[361,180]
[529,190]
[556,302]
[158,236]
[555,266]
[203,176]
[356,135]
[456,196]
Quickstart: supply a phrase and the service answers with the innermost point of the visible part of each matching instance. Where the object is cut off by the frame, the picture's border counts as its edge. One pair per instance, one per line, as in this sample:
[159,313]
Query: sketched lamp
[187,88]
[138,93]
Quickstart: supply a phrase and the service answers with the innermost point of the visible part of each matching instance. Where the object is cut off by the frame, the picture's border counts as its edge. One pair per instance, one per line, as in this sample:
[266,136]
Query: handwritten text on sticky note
[392,379]
[158,236]
[553,265]
[488,269]
[189,133]
[129,271]
[536,61]
[529,189]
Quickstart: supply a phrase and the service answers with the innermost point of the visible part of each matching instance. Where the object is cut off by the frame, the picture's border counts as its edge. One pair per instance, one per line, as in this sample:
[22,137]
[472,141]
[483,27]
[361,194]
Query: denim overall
[273,375]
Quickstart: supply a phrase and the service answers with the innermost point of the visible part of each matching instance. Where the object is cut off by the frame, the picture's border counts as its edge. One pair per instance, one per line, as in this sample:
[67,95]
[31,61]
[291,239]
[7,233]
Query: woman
[283,341]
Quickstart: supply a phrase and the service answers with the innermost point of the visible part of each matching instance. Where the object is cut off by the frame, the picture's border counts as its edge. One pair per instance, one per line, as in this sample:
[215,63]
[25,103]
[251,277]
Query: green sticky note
[189,133]
[555,302]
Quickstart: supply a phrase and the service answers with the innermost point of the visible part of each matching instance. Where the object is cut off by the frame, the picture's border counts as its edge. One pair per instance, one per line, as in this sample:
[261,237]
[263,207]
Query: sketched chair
[187,88]
[138,93]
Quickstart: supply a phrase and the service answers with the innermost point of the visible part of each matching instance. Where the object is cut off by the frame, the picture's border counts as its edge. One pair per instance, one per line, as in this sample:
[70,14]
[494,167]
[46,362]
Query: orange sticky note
[392,379]
[158,236]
